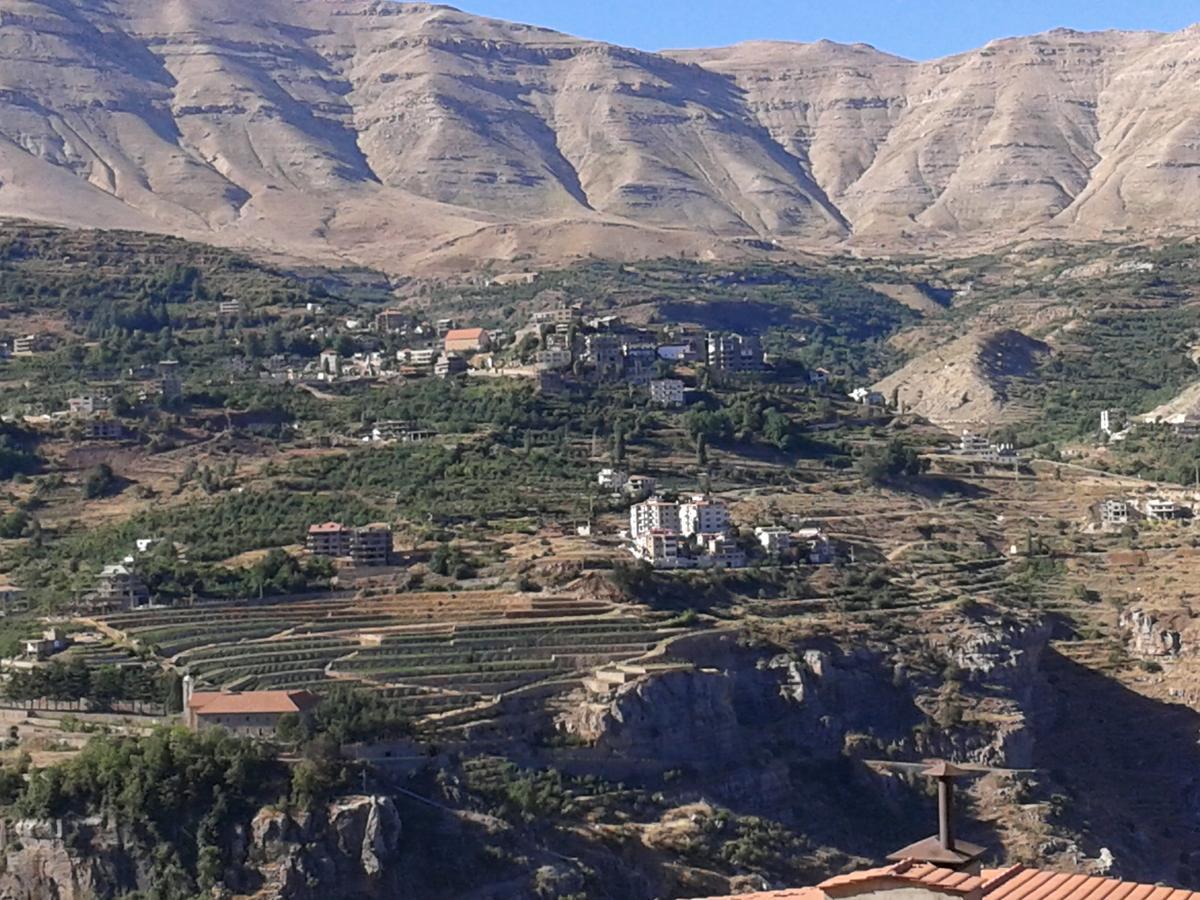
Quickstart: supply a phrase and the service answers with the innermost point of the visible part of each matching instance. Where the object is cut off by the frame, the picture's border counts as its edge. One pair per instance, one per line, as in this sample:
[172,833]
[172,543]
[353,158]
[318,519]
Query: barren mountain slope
[965,383]
[403,134]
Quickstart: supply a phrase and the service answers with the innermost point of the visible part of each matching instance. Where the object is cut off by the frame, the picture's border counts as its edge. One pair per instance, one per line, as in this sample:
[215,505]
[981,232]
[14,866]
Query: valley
[203,452]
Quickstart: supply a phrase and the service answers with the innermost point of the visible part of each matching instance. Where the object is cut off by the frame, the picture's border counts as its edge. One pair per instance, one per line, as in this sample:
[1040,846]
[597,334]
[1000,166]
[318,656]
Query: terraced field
[430,652]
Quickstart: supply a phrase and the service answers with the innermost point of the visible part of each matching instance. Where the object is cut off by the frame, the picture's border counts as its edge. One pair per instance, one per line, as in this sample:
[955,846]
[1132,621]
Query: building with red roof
[467,340]
[246,713]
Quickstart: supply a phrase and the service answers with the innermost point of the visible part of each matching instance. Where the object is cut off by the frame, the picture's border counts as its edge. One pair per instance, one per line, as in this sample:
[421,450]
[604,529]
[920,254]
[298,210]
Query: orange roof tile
[221,703]
[1012,883]
[795,894]
[924,874]
[1035,884]
[464,334]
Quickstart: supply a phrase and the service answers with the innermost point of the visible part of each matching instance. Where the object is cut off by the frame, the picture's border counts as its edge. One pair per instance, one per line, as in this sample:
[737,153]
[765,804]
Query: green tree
[100,481]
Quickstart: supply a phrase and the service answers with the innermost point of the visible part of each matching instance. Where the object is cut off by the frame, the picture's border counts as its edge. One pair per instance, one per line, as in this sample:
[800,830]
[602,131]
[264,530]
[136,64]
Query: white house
[1161,509]
[820,550]
[867,397]
[775,540]
[612,479]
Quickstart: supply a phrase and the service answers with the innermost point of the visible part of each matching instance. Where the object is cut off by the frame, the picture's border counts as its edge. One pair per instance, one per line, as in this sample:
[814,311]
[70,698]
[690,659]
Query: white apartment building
[702,515]
[653,515]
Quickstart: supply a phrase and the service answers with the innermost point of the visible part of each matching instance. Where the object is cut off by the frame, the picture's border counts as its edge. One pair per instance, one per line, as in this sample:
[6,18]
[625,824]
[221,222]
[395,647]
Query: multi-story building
[972,444]
[1114,513]
[450,365]
[366,547]
[229,307]
[561,316]
[86,405]
[105,428]
[603,352]
[118,586]
[329,539]
[703,515]
[660,548]
[371,546]
[653,515]
[666,392]
[775,540]
[26,345]
[393,320]
[553,359]
[734,352]
[720,552]
[638,485]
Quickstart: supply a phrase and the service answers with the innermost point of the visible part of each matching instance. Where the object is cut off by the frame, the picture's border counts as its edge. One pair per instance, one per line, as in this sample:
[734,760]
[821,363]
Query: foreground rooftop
[916,880]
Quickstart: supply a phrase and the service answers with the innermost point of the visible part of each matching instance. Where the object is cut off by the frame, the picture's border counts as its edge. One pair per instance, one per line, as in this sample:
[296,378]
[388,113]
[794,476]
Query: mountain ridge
[413,135]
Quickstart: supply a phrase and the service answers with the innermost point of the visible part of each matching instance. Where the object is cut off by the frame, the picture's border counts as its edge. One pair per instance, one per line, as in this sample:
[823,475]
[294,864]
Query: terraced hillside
[432,652]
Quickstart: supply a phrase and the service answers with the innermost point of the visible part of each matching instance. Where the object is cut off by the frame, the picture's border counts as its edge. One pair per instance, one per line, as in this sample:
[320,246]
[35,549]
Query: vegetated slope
[965,383]
[403,134]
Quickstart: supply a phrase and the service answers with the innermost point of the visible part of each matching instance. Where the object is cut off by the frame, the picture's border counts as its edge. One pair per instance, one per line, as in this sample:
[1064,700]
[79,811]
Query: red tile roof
[923,874]
[1019,883]
[465,334]
[224,703]
[1013,883]
[326,528]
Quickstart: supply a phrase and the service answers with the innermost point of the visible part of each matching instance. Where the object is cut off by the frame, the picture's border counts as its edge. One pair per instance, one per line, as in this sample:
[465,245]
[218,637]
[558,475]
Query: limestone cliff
[345,850]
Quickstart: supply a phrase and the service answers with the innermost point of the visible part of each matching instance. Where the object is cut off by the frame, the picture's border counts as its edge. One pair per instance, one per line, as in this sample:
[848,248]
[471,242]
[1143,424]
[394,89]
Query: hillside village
[484,545]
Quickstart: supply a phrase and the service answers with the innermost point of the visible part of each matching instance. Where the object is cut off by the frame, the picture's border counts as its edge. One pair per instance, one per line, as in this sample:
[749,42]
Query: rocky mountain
[965,384]
[406,134]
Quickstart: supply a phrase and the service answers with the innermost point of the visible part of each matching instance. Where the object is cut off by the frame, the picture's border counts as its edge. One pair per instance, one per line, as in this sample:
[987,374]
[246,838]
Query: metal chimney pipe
[946,812]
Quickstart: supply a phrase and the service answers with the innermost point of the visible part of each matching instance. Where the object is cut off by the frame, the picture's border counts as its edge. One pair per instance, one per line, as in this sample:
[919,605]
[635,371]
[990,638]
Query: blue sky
[919,29]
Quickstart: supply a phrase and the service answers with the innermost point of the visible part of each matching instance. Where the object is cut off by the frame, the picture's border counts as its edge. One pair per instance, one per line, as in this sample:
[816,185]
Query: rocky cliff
[346,850]
[408,134]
